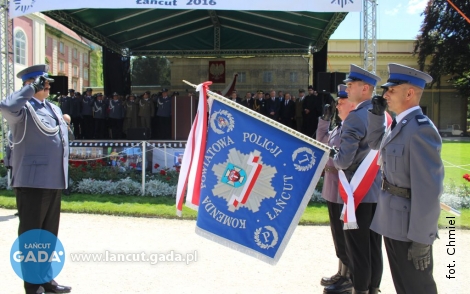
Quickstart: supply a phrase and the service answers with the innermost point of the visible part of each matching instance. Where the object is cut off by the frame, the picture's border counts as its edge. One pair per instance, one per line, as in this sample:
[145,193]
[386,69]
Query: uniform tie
[394,123]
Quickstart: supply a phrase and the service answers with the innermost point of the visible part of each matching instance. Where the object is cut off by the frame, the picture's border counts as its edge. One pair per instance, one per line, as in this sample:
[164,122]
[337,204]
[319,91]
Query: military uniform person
[259,104]
[132,111]
[146,111]
[76,113]
[409,203]
[99,116]
[116,116]
[164,116]
[330,186]
[299,110]
[364,246]
[40,159]
[87,115]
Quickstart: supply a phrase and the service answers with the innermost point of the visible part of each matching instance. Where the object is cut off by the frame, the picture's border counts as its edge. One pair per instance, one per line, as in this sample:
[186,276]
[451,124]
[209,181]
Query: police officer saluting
[40,158]
[409,203]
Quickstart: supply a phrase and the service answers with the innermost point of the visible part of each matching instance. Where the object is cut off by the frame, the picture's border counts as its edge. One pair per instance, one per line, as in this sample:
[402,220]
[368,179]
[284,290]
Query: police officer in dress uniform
[330,185]
[87,114]
[40,158]
[99,116]
[164,116]
[412,170]
[364,246]
[116,116]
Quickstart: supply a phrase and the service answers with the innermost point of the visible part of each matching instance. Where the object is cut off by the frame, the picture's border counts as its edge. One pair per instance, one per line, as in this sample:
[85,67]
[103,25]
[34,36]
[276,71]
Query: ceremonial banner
[257,178]
[21,7]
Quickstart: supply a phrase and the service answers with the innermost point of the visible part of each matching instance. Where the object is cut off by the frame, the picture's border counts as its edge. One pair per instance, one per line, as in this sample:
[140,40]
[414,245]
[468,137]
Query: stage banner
[22,7]
[217,72]
[257,178]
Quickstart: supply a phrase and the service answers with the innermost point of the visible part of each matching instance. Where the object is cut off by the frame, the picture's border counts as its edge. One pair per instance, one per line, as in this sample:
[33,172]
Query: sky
[396,20]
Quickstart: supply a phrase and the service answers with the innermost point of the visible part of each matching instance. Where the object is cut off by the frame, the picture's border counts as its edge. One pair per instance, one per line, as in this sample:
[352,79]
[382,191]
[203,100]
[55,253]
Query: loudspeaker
[337,78]
[138,134]
[323,82]
[60,84]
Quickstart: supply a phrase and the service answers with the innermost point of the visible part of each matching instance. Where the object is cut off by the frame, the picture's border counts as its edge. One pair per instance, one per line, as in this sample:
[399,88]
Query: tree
[445,42]
[149,70]
[96,67]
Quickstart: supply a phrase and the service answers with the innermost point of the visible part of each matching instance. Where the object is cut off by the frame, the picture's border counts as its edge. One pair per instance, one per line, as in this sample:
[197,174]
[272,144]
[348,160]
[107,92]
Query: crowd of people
[96,116]
[299,113]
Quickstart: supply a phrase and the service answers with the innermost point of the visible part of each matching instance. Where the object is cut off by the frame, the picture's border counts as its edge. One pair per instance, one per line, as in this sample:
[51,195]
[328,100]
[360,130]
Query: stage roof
[212,33]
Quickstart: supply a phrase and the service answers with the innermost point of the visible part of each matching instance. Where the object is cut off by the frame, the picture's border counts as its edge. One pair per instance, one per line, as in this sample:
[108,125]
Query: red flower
[178,168]
[156,166]
[122,159]
[133,165]
[168,178]
[163,172]
[466,177]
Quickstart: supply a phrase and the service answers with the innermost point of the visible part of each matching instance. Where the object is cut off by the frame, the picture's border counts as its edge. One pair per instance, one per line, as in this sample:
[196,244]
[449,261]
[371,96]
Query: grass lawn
[456,158]
[164,207]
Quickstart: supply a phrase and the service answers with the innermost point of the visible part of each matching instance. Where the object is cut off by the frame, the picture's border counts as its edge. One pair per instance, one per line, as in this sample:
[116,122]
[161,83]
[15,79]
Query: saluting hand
[39,84]
[420,254]
[379,104]
[327,112]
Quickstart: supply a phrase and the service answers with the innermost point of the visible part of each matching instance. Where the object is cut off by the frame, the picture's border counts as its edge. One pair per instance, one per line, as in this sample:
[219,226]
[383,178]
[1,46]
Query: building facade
[289,73]
[39,39]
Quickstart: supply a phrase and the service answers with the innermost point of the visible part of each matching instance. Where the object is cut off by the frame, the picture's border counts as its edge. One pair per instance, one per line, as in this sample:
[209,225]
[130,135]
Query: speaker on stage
[337,78]
[60,84]
[323,82]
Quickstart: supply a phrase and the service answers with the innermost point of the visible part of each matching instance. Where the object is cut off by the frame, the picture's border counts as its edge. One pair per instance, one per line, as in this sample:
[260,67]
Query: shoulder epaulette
[422,120]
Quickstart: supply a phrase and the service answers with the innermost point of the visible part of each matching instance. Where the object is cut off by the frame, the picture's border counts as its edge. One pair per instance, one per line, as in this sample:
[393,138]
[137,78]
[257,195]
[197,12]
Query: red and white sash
[353,192]
[193,157]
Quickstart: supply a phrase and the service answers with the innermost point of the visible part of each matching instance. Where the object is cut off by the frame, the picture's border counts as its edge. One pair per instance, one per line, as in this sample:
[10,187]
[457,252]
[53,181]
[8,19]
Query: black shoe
[326,281]
[53,287]
[343,286]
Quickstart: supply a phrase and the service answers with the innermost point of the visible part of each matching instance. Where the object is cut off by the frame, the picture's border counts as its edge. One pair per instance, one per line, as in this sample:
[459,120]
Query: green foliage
[445,42]
[96,67]
[150,71]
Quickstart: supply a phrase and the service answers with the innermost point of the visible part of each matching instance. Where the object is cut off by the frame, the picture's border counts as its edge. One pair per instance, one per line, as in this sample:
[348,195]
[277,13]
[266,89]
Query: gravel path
[309,255]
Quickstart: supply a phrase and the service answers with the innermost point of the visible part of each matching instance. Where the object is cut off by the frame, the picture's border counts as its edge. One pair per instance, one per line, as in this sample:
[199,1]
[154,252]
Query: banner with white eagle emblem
[256,179]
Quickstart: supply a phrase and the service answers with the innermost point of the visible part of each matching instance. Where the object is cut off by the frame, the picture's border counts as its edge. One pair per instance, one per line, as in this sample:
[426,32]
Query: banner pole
[144,163]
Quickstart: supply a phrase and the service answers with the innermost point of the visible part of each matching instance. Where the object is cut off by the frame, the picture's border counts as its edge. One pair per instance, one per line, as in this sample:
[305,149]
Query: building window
[85,73]
[61,47]
[75,53]
[74,84]
[268,77]
[75,71]
[241,77]
[85,58]
[20,47]
[293,77]
[61,66]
